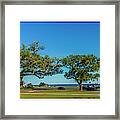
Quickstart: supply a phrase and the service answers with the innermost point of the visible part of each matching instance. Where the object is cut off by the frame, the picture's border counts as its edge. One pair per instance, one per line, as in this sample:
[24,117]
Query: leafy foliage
[81,67]
[42,84]
[31,63]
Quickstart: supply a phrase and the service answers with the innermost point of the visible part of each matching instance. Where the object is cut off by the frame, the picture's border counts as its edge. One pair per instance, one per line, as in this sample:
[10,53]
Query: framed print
[59,59]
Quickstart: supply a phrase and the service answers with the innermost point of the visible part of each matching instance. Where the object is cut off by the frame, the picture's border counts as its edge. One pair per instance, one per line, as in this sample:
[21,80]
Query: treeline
[79,67]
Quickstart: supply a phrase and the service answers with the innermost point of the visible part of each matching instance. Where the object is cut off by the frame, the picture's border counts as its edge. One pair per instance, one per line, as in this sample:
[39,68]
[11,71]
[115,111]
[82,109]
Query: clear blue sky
[61,39]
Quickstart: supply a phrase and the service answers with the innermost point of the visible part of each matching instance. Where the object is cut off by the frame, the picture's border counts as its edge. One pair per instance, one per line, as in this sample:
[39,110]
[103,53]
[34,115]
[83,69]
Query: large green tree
[81,68]
[32,63]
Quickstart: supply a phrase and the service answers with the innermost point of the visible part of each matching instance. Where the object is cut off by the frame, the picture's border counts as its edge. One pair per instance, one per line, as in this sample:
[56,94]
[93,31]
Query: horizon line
[68,83]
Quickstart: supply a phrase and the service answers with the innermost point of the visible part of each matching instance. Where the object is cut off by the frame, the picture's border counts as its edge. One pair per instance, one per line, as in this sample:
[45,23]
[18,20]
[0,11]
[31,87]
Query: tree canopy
[81,67]
[32,63]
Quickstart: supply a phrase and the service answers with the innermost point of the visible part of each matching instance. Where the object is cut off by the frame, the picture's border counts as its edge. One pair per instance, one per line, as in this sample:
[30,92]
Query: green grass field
[59,94]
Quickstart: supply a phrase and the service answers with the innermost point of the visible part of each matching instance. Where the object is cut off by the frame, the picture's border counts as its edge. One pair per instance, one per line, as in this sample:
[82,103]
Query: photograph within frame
[68,66]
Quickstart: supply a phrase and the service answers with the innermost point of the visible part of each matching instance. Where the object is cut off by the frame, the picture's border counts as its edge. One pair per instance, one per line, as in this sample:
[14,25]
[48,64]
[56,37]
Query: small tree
[81,68]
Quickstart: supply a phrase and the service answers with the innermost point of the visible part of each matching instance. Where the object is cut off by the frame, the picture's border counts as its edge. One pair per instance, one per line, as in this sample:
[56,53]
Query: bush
[90,88]
[29,85]
[42,84]
[61,88]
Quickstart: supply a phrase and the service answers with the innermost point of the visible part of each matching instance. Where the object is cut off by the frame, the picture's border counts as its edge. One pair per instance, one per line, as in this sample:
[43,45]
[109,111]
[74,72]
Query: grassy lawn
[59,94]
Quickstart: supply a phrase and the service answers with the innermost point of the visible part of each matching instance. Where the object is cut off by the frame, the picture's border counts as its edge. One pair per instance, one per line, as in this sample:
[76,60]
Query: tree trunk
[80,86]
[21,81]
[21,77]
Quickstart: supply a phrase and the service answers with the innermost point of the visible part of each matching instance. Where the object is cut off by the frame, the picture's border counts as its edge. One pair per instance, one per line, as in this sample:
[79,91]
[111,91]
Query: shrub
[61,88]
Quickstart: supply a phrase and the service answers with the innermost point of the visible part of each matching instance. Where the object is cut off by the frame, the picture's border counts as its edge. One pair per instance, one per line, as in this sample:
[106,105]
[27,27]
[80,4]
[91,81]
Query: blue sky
[61,39]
